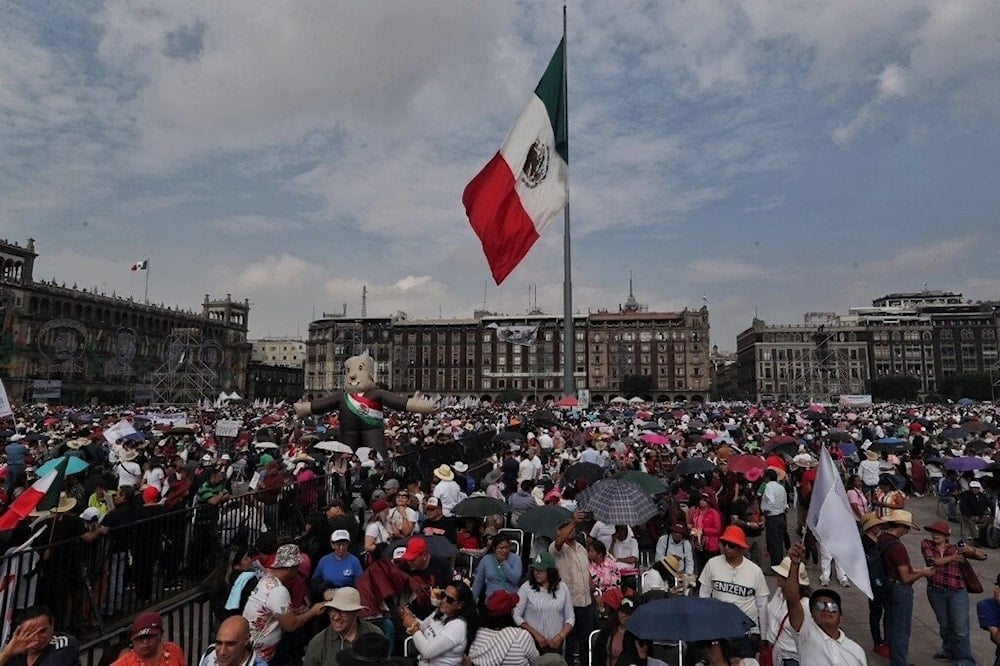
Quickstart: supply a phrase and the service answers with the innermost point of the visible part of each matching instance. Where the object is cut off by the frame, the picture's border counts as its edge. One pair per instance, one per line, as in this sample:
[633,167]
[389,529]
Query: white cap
[226,456]
[976,484]
[206,458]
[90,513]
[340,535]
[399,552]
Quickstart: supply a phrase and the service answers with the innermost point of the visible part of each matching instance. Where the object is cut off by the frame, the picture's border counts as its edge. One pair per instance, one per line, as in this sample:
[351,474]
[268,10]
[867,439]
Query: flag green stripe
[551,90]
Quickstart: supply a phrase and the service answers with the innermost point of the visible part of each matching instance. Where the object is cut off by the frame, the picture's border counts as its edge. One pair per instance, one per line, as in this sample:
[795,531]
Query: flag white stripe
[832,522]
[542,202]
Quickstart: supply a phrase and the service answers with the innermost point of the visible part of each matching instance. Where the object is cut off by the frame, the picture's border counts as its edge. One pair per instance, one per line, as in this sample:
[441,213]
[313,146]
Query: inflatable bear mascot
[360,404]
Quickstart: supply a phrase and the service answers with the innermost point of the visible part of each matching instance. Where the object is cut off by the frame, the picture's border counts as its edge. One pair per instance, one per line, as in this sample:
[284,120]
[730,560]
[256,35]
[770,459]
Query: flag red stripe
[21,507]
[498,218]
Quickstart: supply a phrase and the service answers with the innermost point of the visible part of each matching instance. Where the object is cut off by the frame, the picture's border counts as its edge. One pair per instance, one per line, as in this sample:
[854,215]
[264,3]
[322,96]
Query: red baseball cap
[416,547]
[501,603]
[149,623]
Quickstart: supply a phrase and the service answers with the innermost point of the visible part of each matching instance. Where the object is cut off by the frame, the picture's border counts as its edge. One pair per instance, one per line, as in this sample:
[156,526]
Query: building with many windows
[928,335]
[69,344]
[284,352]
[488,353]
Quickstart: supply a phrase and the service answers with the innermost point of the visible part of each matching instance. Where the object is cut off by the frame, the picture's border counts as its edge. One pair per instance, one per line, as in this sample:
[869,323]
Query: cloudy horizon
[776,158]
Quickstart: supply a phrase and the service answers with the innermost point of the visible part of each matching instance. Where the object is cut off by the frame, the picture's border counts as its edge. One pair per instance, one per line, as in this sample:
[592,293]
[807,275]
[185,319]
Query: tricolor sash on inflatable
[366,409]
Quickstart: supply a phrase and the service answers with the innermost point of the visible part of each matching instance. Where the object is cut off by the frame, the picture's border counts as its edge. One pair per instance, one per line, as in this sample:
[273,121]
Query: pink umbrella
[568,401]
[654,439]
[710,435]
[816,407]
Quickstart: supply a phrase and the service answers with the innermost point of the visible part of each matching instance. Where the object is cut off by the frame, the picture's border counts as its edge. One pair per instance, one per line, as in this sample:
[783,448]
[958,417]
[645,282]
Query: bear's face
[359,374]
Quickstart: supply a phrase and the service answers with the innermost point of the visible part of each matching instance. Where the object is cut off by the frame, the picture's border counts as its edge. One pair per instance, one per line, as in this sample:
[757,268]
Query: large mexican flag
[518,193]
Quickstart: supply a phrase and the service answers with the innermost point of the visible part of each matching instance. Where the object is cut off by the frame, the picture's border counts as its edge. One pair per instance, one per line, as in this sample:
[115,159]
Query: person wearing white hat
[345,628]
[337,569]
[447,490]
[777,632]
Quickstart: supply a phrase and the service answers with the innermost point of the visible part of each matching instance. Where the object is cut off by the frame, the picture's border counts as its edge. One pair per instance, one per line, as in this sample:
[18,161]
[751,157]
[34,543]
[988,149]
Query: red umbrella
[779,440]
[744,463]
[568,401]
[654,439]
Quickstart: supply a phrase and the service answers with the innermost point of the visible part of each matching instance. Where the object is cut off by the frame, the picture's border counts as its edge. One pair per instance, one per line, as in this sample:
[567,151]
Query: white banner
[5,409]
[227,428]
[168,419]
[855,401]
[118,430]
[523,336]
[583,398]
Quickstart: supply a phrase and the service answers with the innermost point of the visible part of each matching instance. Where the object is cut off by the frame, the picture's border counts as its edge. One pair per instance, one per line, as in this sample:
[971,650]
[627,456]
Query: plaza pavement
[924,640]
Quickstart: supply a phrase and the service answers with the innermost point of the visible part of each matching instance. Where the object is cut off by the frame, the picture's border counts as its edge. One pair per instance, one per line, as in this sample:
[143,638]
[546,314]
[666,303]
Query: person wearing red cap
[432,572]
[498,642]
[732,578]
[947,593]
[377,530]
[148,646]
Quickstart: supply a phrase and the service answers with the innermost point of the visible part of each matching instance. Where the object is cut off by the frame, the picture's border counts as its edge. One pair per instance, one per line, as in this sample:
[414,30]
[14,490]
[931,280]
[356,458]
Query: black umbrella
[955,433]
[688,619]
[544,520]
[436,545]
[839,436]
[695,465]
[479,507]
[590,472]
[544,418]
[890,444]
[510,436]
[978,445]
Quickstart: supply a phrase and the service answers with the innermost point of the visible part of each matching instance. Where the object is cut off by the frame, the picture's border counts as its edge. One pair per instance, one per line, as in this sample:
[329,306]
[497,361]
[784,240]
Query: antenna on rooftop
[364,301]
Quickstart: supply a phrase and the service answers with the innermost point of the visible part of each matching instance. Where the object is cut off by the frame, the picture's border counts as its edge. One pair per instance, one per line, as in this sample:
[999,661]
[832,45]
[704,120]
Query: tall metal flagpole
[569,340]
[145,296]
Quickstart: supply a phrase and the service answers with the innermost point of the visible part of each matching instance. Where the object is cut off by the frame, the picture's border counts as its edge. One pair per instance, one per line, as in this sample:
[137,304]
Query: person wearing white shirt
[774,504]
[128,471]
[441,638]
[446,490]
[818,636]
[624,546]
[677,544]
[603,533]
[525,468]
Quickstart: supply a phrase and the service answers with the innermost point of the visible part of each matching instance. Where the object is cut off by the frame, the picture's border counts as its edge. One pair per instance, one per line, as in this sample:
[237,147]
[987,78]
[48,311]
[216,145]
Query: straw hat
[444,473]
[130,455]
[66,503]
[78,443]
[872,455]
[784,567]
[673,565]
[901,517]
[869,521]
[460,467]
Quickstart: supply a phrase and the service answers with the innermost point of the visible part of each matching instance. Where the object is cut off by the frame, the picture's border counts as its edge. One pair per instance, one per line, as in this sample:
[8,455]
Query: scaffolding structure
[825,370]
[183,378]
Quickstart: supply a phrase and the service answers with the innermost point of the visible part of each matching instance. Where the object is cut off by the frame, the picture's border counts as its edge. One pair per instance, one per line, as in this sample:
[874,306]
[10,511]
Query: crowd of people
[311,554]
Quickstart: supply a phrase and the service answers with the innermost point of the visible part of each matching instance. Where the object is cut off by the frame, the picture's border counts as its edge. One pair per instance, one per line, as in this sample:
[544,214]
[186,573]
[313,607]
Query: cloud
[722,269]
[279,272]
[923,257]
[254,224]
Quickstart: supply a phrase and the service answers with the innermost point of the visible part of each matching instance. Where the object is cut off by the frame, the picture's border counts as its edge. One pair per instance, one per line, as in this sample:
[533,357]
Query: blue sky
[783,156]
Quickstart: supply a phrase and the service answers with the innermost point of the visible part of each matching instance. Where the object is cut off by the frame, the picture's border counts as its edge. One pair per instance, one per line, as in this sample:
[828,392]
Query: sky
[773,157]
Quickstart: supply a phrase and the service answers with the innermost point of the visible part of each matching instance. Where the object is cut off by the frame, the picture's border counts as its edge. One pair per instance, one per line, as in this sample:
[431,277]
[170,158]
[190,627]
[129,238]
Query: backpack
[877,575]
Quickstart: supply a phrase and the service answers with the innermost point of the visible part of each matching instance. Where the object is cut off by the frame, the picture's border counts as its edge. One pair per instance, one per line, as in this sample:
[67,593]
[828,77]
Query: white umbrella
[618,401]
[635,400]
[333,447]
[363,452]
[265,445]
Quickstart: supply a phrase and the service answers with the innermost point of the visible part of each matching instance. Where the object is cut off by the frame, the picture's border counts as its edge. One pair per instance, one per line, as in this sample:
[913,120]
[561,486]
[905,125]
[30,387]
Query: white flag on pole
[118,431]
[832,522]
[5,409]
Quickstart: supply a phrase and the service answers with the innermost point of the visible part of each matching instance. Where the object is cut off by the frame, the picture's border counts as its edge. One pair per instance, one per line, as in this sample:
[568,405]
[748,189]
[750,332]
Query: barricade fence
[95,584]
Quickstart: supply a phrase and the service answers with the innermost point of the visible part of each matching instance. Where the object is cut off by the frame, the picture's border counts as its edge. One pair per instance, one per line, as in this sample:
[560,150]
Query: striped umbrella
[617,502]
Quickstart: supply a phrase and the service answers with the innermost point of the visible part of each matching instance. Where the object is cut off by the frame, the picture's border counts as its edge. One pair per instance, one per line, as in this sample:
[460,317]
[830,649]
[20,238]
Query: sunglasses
[726,544]
[831,606]
[449,599]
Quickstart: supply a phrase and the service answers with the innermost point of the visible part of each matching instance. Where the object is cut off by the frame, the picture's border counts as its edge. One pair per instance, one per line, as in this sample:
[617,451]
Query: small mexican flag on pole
[140,265]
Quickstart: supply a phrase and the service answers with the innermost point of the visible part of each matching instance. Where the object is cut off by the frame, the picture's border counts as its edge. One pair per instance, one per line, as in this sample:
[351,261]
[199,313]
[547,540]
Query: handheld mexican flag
[516,195]
[140,265]
[43,494]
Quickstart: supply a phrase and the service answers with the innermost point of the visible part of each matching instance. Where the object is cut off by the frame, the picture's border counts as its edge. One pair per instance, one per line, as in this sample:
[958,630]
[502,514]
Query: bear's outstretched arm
[327,403]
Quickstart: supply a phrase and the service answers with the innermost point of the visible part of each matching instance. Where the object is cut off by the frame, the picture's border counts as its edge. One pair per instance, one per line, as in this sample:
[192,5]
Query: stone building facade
[70,344]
